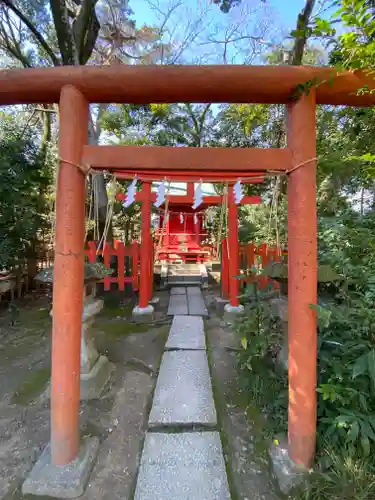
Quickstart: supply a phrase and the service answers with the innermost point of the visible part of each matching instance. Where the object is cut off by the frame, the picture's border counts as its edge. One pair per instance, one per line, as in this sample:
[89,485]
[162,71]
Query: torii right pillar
[302,287]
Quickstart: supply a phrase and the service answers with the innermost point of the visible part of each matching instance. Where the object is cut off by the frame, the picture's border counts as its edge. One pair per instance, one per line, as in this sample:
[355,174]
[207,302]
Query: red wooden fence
[251,256]
[120,251]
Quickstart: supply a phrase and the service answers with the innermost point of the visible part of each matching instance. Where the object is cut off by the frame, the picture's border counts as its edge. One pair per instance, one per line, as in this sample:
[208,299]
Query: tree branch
[302,24]
[33,30]
[64,33]
[13,48]
[85,30]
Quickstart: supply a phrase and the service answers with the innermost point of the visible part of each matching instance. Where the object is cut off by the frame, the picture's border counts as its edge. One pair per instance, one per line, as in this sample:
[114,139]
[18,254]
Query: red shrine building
[181,230]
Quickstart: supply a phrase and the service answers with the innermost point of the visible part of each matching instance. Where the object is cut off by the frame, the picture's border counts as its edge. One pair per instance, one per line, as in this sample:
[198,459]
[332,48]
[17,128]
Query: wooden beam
[167,84]
[190,176]
[166,160]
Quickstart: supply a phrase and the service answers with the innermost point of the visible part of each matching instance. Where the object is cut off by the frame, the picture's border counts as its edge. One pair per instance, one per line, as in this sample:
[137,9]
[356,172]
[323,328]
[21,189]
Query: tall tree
[62,32]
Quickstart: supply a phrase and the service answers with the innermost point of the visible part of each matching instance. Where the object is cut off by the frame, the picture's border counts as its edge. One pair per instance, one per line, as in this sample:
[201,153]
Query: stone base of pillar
[154,302]
[286,474]
[143,314]
[232,312]
[94,382]
[62,481]
[220,304]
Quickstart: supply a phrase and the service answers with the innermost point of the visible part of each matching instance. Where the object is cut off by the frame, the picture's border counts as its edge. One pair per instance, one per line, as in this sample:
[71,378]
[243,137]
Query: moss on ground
[34,386]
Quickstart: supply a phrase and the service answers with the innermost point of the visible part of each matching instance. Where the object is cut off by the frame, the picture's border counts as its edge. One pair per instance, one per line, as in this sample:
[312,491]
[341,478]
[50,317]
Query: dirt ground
[119,417]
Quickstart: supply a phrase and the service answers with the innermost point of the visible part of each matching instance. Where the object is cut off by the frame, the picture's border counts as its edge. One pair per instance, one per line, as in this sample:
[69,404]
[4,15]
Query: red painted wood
[146,254]
[142,84]
[68,279]
[190,175]
[166,160]
[224,270]
[302,282]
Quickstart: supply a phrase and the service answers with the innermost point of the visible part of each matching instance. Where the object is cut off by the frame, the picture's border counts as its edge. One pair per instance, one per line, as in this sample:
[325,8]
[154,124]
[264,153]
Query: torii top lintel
[168,84]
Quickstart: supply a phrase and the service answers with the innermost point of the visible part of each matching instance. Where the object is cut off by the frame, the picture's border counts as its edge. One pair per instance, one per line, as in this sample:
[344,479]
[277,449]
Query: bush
[23,178]
[346,362]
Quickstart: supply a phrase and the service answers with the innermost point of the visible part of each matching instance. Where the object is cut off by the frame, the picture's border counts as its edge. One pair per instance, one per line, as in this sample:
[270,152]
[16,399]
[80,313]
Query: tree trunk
[302,24]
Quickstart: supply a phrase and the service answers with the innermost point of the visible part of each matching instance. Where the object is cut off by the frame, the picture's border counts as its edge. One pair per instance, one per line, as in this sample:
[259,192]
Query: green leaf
[365,442]
[244,342]
[324,315]
[371,366]
[366,430]
[360,366]
[353,432]
[363,402]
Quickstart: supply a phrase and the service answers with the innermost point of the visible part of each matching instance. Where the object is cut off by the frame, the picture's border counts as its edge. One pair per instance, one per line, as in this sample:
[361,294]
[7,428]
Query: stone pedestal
[232,312]
[143,314]
[279,308]
[286,474]
[62,481]
[95,369]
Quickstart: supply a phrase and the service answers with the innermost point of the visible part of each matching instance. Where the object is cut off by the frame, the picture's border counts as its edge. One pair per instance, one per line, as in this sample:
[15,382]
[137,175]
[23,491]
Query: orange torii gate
[74,88]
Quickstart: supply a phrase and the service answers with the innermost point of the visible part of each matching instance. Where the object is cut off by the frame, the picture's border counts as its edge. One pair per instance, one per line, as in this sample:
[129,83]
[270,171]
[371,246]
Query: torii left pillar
[64,467]
[144,311]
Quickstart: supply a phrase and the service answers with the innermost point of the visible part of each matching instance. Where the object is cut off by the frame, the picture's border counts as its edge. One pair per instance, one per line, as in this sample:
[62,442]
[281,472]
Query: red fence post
[119,248]
[91,252]
[224,270]
[107,252]
[135,264]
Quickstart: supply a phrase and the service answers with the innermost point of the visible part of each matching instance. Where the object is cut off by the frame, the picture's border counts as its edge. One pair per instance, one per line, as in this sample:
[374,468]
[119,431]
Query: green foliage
[260,339]
[346,361]
[342,477]
[23,178]
[357,46]
[160,124]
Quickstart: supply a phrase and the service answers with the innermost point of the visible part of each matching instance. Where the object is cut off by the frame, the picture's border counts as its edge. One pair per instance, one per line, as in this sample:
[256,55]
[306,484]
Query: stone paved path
[187,301]
[182,457]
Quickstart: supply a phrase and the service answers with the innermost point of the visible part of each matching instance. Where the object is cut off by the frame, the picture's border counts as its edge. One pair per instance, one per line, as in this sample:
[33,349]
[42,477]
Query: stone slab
[178,290]
[62,481]
[196,305]
[177,305]
[186,466]
[183,394]
[194,291]
[187,332]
